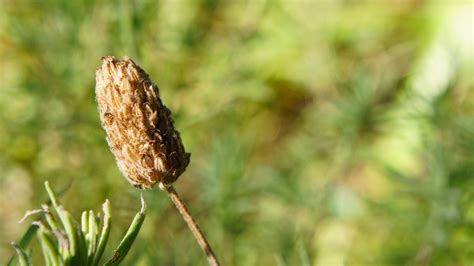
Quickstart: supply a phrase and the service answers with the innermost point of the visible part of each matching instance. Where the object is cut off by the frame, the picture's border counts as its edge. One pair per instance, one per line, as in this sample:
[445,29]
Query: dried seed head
[139,128]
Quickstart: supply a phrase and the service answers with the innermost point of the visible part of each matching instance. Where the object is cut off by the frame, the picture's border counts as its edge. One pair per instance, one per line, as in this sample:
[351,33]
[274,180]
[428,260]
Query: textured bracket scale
[140,130]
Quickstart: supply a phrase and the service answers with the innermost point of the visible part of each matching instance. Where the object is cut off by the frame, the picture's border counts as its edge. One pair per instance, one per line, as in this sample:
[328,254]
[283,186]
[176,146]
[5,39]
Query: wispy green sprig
[65,242]
[104,235]
[130,236]
[23,258]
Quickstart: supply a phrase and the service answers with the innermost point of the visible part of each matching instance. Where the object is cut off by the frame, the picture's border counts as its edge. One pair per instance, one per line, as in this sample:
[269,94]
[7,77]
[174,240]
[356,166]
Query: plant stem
[188,218]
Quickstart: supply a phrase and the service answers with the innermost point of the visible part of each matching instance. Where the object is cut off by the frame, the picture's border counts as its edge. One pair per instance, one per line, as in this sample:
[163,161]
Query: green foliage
[23,258]
[322,132]
[127,241]
[67,243]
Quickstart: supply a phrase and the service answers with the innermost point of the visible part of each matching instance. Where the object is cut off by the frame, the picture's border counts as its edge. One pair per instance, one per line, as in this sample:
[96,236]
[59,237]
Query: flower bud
[140,130]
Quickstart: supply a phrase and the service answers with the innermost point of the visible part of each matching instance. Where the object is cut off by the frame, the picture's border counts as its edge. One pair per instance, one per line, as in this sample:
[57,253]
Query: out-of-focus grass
[321,132]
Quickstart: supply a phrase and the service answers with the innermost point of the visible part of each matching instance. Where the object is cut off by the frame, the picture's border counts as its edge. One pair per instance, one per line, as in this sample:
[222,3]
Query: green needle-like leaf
[81,247]
[92,237]
[50,219]
[77,246]
[24,241]
[104,235]
[130,236]
[23,258]
[66,221]
[85,222]
[49,247]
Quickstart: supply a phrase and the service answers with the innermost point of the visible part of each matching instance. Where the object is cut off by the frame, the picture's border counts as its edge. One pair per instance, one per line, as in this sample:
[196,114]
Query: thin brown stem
[188,218]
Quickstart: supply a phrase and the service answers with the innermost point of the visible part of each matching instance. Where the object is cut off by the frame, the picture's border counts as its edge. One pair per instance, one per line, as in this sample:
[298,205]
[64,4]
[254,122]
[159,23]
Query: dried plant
[141,134]
[140,131]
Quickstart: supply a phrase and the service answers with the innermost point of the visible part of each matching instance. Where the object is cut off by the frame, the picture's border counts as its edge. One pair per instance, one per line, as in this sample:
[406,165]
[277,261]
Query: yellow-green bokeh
[321,132]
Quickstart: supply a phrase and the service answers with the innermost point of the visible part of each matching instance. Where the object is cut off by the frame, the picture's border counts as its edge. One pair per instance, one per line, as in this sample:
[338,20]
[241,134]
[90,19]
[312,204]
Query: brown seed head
[139,128]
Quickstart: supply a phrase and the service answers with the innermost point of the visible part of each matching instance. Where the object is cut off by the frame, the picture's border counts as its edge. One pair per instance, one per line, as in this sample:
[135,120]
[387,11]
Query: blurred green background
[321,132]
